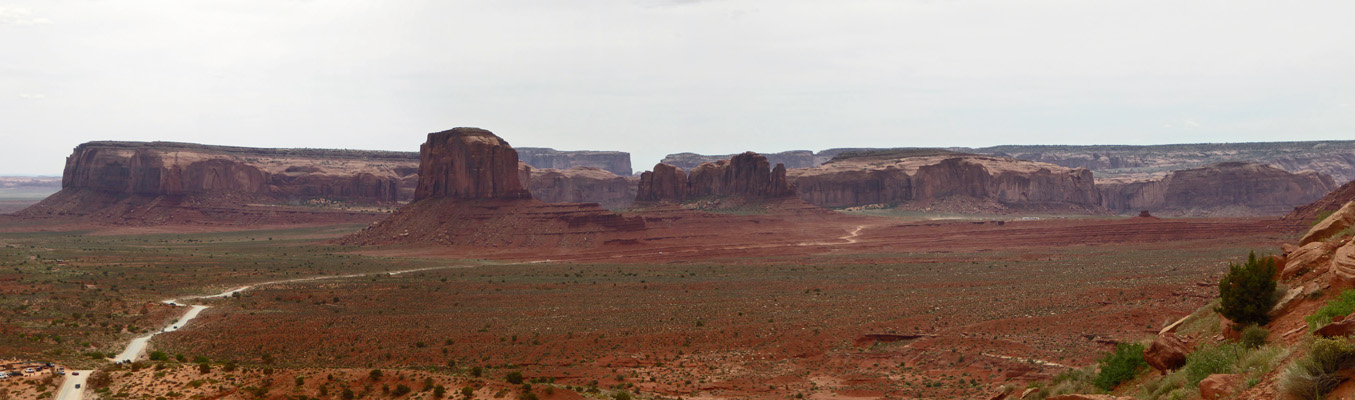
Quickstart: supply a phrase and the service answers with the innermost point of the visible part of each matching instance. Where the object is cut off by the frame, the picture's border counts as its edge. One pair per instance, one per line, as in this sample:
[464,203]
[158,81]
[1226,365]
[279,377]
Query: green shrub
[375,375]
[159,356]
[622,396]
[1343,304]
[1121,365]
[400,390]
[1209,360]
[1254,336]
[514,377]
[1315,375]
[1247,292]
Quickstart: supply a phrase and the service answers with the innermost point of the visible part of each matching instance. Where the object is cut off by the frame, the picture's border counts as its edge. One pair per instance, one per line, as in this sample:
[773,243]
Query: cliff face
[178,169]
[748,175]
[583,185]
[615,162]
[1230,188]
[928,177]
[468,163]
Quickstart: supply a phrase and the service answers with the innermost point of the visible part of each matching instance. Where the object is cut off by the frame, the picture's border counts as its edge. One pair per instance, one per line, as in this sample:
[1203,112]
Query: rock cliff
[1310,213]
[1335,158]
[748,176]
[615,162]
[1231,188]
[923,177]
[583,185]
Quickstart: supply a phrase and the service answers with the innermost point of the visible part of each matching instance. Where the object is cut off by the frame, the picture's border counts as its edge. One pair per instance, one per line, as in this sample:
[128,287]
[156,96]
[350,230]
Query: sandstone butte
[1224,189]
[471,193]
[923,177]
[747,176]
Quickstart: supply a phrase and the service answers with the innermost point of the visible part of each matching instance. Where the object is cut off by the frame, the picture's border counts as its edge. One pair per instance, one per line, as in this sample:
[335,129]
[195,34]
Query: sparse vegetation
[1342,305]
[1254,336]
[1316,374]
[1121,365]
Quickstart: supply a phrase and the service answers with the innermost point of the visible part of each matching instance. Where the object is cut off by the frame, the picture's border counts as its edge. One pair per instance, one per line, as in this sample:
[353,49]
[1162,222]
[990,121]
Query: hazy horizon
[654,77]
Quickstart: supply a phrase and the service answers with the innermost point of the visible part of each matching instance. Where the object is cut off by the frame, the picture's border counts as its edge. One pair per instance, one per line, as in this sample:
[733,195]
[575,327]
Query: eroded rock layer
[1231,188]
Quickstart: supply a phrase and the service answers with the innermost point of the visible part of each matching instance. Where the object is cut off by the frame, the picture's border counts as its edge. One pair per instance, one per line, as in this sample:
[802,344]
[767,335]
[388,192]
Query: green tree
[514,377]
[1247,292]
[375,374]
[347,394]
[439,391]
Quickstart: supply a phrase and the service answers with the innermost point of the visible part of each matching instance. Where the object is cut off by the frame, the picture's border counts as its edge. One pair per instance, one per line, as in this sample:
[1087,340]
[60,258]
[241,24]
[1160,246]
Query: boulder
[1221,386]
[468,163]
[1343,266]
[1338,221]
[1290,299]
[1167,353]
[1338,327]
[1310,257]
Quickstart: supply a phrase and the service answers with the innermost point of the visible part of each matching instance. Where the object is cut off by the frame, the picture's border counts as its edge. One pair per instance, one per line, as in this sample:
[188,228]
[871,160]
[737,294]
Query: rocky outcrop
[1338,221]
[1343,266]
[927,176]
[470,193]
[468,163]
[1221,386]
[1306,258]
[748,176]
[791,159]
[1167,353]
[1232,188]
[1313,212]
[583,185]
[615,162]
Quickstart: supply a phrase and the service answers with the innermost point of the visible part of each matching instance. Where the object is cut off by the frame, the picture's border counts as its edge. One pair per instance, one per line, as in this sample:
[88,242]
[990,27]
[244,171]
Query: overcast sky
[653,77]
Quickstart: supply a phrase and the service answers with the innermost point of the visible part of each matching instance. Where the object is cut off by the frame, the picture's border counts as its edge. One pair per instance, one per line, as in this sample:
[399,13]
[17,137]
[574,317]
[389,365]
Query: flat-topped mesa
[748,176]
[468,163]
[616,162]
[945,181]
[176,169]
[1229,188]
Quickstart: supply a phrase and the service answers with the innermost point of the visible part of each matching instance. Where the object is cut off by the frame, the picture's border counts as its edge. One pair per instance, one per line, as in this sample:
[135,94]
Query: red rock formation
[470,194]
[747,176]
[1231,187]
[664,183]
[917,176]
[583,185]
[616,162]
[1307,214]
[468,163]
[1221,386]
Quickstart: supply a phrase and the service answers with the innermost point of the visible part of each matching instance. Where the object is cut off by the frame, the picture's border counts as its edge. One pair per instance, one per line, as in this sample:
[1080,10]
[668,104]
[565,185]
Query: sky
[653,77]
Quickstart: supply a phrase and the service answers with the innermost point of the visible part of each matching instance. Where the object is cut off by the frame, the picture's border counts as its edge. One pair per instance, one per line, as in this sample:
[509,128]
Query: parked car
[29,370]
[4,375]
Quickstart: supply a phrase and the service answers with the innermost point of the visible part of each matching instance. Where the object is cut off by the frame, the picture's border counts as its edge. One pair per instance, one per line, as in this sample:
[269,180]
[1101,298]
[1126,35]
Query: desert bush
[1343,304]
[1212,359]
[1247,292]
[346,394]
[439,391]
[467,392]
[204,368]
[622,395]
[514,377]
[375,375]
[99,379]
[400,390]
[1254,336]
[1315,374]
[1121,365]
[159,356]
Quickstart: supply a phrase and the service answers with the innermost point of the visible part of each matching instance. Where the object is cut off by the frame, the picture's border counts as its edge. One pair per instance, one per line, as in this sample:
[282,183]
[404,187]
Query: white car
[29,370]
[4,375]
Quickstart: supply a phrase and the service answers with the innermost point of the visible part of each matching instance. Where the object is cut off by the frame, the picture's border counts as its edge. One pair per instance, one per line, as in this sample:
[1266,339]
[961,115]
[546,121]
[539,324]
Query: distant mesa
[583,185]
[1223,189]
[616,162]
[940,180]
[747,176]
[1305,215]
[471,193]
[167,182]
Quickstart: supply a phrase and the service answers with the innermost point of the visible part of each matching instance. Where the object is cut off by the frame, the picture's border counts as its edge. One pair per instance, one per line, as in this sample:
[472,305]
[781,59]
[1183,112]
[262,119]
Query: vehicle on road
[29,370]
[4,375]
[77,386]
[75,373]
